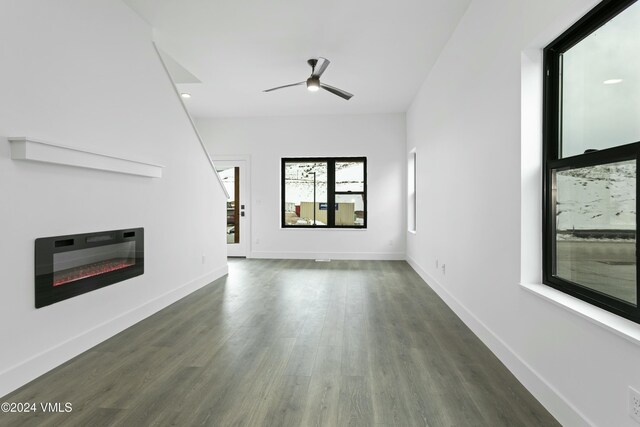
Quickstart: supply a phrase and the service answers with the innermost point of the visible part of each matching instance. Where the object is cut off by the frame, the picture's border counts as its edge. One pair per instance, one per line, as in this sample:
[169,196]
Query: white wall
[466,125]
[85,74]
[380,138]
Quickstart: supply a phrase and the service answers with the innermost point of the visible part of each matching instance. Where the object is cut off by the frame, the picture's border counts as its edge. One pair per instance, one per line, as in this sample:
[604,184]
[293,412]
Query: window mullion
[283,222]
[331,193]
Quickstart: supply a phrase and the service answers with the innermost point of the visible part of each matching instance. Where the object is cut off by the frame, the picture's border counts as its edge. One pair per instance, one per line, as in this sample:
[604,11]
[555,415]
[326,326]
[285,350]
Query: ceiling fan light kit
[313,82]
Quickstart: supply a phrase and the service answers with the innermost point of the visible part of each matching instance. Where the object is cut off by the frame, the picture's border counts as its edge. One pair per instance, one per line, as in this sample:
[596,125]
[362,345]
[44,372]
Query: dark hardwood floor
[288,343]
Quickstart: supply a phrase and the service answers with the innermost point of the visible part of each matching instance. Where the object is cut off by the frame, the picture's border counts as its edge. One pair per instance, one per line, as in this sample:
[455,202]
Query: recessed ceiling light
[612,81]
[185,95]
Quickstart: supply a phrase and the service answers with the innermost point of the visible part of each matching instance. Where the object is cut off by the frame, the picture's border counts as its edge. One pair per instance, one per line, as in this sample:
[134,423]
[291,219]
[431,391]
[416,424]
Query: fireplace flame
[90,270]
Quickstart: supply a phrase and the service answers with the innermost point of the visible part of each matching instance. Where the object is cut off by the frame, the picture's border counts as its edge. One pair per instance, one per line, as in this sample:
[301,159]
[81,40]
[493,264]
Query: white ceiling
[381,51]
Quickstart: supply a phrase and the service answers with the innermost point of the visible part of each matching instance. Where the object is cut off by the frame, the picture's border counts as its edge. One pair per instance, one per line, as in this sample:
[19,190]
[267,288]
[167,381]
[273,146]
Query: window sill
[618,325]
[323,229]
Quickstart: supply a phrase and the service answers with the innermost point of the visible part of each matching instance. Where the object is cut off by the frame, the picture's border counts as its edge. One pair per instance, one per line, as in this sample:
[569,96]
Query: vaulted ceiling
[380,51]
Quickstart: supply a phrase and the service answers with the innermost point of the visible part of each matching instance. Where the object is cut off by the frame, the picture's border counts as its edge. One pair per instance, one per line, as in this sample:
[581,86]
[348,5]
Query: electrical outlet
[444,268]
[437,263]
[204,258]
[634,404]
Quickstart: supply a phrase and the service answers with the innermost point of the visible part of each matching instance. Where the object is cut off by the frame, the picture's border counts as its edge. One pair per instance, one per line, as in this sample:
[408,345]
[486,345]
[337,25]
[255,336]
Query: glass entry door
[231,179]
[233,176]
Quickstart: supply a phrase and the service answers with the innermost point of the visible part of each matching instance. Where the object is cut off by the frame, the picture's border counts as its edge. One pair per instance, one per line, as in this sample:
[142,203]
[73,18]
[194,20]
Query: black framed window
[590,156]
[324,192]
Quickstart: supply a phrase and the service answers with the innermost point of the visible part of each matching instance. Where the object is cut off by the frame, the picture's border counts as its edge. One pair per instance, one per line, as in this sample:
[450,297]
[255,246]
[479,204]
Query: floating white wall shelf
[24,148]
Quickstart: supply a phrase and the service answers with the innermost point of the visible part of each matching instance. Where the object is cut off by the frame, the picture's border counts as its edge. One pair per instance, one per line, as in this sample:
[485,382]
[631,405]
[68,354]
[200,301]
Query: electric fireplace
[66,266]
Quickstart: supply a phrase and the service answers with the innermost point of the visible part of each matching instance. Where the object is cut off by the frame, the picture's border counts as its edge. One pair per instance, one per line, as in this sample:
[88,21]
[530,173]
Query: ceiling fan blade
[334,90]
[320,66]
[281,87]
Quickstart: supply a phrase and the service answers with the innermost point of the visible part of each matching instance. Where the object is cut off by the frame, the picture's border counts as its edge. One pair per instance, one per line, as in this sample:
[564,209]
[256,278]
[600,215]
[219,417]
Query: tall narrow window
[231,179]
[412,214]
[591,150]
[324,192]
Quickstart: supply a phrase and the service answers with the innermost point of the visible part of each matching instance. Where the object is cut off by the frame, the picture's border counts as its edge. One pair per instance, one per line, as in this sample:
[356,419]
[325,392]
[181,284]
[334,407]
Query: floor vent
[323,260]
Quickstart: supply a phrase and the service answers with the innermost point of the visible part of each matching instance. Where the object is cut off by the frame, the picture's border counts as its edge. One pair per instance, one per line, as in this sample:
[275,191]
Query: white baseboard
[361,256]
[565,412]
[32,368]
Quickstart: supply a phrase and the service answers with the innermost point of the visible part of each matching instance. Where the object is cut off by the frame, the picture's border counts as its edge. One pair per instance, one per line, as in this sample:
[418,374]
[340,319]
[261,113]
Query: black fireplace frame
[46,293]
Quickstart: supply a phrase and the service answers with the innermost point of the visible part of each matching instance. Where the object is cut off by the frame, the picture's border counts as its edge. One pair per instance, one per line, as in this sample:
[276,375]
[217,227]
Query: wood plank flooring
[290,343]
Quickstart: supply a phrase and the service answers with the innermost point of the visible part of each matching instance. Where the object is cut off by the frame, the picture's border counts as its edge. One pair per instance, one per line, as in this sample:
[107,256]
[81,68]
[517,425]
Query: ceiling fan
[313,82]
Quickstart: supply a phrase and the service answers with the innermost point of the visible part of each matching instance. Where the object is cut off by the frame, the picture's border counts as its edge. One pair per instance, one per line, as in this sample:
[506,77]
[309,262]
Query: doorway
[234,175]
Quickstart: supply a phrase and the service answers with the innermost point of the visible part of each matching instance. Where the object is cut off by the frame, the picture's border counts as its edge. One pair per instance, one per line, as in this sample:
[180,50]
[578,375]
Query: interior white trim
[32,368]
[609,321]
[246,200]
[26,148]
[193,125]
[373,256]
[556,403]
